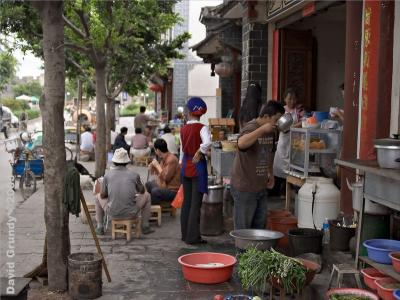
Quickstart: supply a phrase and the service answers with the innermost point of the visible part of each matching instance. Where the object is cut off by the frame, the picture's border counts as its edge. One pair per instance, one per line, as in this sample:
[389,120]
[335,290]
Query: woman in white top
[171,140]
[281,160]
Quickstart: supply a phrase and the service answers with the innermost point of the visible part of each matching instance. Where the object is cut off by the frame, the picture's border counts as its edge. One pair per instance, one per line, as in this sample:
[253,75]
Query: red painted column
[354,11]
[377,70]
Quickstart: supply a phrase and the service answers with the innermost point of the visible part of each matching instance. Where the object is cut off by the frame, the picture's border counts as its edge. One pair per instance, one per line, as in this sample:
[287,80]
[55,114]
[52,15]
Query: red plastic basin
[395,256]
[208,275]
[370,275]
[386,293]
[349,291]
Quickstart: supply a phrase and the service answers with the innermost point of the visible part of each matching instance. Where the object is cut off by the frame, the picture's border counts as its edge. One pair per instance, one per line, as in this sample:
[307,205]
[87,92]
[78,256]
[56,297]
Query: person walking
[195,143]
[252,168]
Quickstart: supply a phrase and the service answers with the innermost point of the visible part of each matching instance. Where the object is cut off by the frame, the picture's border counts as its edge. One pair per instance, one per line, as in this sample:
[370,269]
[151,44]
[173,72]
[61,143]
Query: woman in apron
[195,143]
[281,160]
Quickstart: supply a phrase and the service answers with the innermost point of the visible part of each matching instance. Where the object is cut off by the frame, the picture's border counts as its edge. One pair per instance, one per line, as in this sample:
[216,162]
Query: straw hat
[121,156]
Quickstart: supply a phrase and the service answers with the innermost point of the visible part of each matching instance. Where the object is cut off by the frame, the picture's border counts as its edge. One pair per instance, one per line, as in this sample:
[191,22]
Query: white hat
[121,156]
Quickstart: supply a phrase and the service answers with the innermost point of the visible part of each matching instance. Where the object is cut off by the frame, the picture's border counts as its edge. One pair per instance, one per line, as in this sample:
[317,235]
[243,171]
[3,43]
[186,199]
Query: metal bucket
[84,275]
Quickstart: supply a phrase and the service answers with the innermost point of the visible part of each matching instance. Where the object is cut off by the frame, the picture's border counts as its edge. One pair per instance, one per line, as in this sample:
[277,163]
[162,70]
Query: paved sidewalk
[145,268]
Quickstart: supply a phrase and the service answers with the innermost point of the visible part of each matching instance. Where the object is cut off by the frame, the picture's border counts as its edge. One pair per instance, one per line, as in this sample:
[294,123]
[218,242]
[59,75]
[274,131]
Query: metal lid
[387,143]
[215,187]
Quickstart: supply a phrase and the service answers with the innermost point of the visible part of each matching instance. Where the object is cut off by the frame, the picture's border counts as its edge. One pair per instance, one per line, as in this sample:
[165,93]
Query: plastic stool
[155,214]
[343,269]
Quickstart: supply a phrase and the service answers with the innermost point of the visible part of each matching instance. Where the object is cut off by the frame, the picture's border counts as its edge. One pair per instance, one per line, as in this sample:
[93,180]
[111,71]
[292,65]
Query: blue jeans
[250,209]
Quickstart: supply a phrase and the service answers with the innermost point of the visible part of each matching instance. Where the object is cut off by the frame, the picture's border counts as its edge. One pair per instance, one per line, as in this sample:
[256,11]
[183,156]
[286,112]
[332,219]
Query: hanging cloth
[71,189]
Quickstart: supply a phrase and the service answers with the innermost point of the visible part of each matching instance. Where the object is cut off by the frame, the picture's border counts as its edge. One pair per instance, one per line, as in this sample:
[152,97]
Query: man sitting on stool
[126,194]
[168,172]
[139,145]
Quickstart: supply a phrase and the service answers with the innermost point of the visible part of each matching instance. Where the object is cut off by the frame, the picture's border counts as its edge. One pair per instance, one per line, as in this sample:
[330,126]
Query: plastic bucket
[339,237]
[305,240]
[84,275]
[282,224]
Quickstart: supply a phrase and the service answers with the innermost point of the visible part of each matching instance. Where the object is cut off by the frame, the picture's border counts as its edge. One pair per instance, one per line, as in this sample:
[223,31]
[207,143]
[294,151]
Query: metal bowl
[262,239]
[284,122]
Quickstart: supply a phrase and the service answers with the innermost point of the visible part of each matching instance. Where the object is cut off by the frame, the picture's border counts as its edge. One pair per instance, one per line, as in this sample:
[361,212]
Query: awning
[24,98]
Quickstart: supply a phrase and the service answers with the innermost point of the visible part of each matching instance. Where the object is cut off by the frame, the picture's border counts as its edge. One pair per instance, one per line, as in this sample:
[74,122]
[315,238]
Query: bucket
[282,224]
[339,237]
[84,275]
[321,115]
[326,202]
[374,227]
[305,240]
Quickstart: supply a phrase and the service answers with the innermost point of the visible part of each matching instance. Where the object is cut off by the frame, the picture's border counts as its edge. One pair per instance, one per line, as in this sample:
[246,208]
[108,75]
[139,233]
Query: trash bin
[84,275]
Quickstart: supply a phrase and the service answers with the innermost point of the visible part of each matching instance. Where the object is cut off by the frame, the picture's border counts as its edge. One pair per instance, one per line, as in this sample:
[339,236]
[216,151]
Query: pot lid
[387,143]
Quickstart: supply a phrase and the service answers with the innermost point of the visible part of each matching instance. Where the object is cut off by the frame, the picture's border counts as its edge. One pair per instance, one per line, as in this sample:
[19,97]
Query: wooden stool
[341,270]
[167,208]
[155,214]
[125,226]
[141,160]
[92,211]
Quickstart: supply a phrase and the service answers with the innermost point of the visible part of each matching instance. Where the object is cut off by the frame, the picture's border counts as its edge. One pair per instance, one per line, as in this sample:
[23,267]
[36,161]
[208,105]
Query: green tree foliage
[116,45]
[31,88]
[8,66]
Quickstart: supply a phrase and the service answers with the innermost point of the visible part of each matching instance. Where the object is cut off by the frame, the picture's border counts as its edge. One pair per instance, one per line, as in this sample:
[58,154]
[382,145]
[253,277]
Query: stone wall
[254,55]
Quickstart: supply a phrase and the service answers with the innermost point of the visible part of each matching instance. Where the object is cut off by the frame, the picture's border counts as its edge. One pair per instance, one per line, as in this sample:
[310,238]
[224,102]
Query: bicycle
[27,181]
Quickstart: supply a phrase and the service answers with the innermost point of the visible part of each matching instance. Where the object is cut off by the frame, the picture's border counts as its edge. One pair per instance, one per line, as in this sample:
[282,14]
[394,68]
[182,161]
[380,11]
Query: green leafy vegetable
[257,267]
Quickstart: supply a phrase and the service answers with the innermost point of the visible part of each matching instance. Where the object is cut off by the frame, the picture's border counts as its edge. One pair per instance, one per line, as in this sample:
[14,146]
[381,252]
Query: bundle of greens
[257,267]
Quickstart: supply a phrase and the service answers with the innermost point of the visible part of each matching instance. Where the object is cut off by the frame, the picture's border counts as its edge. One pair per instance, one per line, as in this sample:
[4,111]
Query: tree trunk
[100,119]
[52,108]
[110,125]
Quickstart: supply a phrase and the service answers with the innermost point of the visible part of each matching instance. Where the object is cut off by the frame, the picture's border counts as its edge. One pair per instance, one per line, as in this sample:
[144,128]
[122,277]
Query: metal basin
[261,238]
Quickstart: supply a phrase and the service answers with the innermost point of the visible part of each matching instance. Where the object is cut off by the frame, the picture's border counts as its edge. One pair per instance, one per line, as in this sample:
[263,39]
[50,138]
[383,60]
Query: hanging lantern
[224,69]
[155,87]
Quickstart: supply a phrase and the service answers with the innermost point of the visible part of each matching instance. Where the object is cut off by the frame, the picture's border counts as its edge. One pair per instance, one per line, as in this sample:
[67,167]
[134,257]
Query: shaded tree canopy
[8,66]
[31,88]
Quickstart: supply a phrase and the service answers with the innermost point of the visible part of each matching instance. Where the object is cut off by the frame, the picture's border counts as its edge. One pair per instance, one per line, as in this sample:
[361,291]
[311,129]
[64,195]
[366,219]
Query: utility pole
[78,121]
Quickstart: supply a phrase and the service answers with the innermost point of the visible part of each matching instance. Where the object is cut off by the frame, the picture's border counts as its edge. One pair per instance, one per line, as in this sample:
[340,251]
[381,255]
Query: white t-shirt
[87,141]
[171,142]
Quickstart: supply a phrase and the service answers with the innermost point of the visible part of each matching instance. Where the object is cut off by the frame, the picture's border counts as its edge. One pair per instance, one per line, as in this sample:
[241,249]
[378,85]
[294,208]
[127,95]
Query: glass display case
[313,151]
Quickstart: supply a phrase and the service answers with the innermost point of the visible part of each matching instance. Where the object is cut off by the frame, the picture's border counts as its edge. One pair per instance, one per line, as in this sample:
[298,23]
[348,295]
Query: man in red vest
[195,143]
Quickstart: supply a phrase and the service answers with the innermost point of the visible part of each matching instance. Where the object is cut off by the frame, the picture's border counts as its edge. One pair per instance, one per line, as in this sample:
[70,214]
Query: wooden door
[296,65]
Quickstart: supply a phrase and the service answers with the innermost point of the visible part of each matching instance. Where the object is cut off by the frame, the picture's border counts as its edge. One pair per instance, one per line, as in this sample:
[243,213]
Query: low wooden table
[290,181]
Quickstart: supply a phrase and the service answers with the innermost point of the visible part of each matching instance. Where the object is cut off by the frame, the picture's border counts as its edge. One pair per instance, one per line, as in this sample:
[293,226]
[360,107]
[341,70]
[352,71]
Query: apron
[281,159]
[201,170]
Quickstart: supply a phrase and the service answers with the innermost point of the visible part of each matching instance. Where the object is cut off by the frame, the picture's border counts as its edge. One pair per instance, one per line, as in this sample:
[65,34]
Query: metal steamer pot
[215,194]
[388,153]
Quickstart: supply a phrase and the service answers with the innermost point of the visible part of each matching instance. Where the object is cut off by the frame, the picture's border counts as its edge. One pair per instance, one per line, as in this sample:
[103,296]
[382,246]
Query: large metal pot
[215,194]
[388,152]
[261,238]
[284,122]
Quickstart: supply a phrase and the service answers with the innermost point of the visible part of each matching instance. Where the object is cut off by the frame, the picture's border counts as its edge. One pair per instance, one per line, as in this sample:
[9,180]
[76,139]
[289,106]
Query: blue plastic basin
[321,115]
[379,249]
[396,294]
